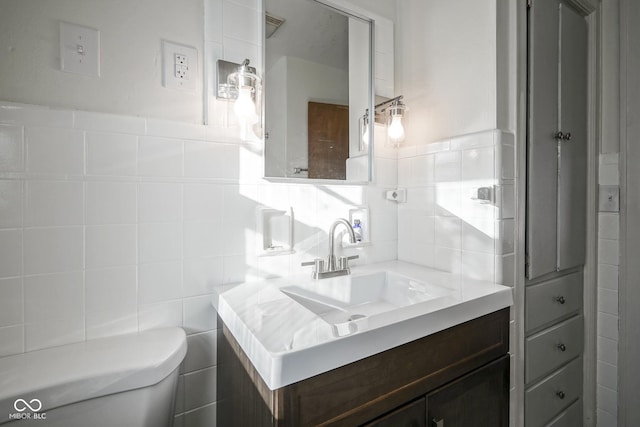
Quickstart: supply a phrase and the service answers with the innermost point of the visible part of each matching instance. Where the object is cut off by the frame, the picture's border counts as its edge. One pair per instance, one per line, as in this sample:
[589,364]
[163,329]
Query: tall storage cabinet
[556,212]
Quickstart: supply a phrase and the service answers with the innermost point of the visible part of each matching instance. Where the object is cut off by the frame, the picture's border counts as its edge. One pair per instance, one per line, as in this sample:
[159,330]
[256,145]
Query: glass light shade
[395,131]
[244,107]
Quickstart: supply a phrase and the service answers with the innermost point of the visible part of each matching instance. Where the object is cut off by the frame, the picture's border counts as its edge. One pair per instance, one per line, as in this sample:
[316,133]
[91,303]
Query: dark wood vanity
[456,377]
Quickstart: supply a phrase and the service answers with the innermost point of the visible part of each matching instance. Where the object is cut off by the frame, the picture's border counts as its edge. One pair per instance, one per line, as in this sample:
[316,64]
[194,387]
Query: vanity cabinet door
[480,398]
[410,415]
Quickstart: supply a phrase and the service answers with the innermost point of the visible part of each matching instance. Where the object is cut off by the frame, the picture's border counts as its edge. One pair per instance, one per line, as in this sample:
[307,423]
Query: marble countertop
[288,343]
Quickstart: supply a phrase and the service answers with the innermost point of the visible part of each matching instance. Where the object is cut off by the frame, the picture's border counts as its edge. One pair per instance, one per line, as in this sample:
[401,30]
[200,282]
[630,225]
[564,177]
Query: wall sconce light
[390,113]
[241,83]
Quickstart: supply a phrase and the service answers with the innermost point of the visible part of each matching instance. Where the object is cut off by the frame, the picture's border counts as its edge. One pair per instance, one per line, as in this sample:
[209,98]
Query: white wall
[118,223]
[130,74]
[446,67]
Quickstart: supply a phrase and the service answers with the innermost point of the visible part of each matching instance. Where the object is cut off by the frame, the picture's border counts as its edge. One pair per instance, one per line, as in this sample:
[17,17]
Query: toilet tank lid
[71,373]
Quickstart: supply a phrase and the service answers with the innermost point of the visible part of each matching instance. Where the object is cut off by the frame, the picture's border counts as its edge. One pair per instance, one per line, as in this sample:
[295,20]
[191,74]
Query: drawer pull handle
[560,300]
[560,394]
[562,347]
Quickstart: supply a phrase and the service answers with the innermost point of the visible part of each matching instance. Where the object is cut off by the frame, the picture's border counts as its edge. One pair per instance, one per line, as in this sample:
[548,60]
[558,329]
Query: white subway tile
[608,301]
[209,239]
[608,350]
[605,419]
[160,315]
[272,266]
[505,268]
[53,250]
[173,129]
[108,122]
[241,22]
[608,277]
[112,154]
[505,156]
[478,236]
[51,203]
[200,388]
[159,157]
[406,177]
[34,115]
[11,340]
[11,198]
[448,199]
[211,160]
[240,268]
[386,172]
[110,245]
[203,202]
[159,242]
[11,148]
[199,314]
[608,326]
[607,375]
[159,282]
[236,50]
[10,253]
[54,309]
[505,236]
[473,140]
[159,202]
[11,302]
[384,227]
[608,226]
[609,174]
[201,417]
[213,21]
[424,170]
[54,151]
[608,251]
[200,276]
[505,200]
[110,203]
[478,265]
[448,166]
[447,259]
[607,400]
[111,302]
[478,164]
[448,232]
[201,351]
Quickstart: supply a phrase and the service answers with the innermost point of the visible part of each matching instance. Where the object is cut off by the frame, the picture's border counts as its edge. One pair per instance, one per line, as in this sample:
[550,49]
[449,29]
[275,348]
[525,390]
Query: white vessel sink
[351,303]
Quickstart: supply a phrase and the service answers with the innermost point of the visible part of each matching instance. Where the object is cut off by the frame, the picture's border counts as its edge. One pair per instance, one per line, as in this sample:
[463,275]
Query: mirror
[317,88]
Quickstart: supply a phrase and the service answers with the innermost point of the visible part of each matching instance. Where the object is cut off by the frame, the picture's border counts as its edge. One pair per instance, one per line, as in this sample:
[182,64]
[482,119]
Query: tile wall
[608,262]
[445,224]
[112,224]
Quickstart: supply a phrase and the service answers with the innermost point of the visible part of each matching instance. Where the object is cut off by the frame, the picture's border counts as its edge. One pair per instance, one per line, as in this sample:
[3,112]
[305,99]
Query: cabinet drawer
[553,347]
[411,415]
[546,399]
[552,300]
[570,418]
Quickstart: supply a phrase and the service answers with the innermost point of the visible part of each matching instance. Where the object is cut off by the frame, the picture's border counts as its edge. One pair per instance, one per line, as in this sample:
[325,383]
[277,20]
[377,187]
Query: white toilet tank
[126,381]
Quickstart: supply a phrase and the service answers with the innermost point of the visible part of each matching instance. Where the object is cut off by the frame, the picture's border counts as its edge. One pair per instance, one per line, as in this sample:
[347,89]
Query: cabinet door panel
[480,398]
[542,158]
[572,177]
[413,414]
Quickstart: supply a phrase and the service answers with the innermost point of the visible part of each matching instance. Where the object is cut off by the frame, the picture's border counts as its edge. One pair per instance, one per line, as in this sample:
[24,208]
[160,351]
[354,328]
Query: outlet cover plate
[179,66]
[79,49]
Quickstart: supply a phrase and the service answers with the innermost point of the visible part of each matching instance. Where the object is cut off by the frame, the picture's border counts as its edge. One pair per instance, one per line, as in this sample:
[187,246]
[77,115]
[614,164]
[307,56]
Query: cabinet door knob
[562,347]
[567,136]
[437,423]
[560,394]
[558,135]
[561,300]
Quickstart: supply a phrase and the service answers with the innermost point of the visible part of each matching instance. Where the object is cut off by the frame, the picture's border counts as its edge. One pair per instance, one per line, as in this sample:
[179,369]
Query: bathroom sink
[352,303]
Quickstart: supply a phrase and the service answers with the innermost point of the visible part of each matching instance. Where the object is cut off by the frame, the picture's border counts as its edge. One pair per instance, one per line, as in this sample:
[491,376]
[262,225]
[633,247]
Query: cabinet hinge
[528,4]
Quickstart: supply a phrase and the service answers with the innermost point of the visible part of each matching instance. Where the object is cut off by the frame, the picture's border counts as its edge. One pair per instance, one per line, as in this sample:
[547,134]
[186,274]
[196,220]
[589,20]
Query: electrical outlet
[179,66]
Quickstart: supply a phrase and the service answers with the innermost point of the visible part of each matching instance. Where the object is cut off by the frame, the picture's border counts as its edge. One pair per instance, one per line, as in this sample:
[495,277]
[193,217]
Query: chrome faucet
[333,267]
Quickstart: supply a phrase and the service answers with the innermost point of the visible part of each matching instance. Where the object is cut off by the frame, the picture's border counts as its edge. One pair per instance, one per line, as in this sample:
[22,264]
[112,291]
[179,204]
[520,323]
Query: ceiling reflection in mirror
[317,89]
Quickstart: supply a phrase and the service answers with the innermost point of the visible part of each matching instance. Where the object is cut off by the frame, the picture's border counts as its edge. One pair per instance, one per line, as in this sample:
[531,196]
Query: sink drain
[356,317]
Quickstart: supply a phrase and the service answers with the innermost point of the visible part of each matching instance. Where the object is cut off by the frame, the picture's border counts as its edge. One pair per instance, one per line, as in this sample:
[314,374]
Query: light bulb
[244,107]
[396,130]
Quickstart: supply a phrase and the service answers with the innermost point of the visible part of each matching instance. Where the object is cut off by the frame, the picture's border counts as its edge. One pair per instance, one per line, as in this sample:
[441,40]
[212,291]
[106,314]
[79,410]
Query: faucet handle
[343,261]
[307,263]
[353,257]
[318,264]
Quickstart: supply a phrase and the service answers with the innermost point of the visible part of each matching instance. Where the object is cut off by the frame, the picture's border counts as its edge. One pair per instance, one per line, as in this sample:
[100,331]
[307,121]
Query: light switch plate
[179,66]
[79,49]
[609,199]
